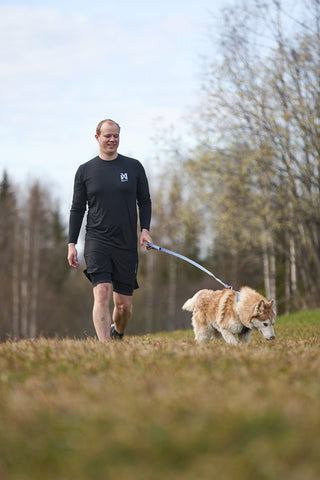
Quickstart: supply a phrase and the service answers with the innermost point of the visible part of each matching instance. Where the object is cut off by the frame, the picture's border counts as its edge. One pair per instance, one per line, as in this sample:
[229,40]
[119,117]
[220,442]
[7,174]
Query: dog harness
[244,330]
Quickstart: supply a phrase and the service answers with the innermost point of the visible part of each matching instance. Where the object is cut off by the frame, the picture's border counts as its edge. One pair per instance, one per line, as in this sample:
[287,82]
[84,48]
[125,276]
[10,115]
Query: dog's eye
[265,324]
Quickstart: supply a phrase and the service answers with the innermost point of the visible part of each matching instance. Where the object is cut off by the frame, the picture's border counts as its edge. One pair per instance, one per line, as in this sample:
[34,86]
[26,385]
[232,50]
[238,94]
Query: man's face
[108,139]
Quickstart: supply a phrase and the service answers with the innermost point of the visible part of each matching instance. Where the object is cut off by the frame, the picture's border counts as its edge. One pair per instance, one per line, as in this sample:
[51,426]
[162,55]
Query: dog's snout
[271,338]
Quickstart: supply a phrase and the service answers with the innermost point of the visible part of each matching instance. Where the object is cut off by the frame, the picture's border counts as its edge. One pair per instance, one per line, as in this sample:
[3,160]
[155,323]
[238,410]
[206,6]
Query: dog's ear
[259,307]
[272,305]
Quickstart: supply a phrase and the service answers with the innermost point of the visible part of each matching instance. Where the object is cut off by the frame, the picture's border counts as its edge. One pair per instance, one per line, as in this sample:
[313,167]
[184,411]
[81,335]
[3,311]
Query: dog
[227,313]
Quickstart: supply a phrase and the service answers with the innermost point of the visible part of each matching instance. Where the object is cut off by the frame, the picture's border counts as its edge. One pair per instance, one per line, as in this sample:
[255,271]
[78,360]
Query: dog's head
[263,319]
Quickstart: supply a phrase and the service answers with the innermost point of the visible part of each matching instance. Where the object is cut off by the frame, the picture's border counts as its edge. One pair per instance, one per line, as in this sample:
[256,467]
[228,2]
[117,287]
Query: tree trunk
[293,270]
[149,309]
[269,268]
[15,281]
[266,270]
[273,293]
[25,280]
[172,293]
[35,281]
[287,286]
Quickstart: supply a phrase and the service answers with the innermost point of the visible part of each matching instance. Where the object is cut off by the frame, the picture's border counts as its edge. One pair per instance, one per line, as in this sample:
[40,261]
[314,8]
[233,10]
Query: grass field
[161,407]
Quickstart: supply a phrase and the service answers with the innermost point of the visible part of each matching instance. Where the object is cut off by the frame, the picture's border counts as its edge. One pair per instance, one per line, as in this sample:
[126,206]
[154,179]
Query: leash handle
[156,247]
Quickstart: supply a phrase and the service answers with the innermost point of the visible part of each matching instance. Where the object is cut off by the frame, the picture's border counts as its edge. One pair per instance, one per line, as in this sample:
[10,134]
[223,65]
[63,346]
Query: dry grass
[161,407]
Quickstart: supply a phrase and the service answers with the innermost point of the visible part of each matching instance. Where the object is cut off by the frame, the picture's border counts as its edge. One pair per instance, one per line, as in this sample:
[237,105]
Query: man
[111,185]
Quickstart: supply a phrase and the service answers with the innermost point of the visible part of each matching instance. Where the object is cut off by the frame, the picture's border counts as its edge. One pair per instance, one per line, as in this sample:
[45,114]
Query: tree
[7,228]
[268,99]
[39,293]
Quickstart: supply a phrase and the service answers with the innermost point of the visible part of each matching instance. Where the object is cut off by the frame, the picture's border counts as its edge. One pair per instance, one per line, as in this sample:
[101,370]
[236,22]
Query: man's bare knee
[123,308]
[102,293]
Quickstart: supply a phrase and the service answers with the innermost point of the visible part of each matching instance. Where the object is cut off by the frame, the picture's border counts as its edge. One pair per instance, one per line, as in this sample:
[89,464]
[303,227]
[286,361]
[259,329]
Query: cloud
[50,42]
[47,41]
[62,70]
[53,60]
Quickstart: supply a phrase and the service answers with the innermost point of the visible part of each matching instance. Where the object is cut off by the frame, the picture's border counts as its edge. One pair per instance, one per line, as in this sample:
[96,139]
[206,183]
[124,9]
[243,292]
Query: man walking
[112,186]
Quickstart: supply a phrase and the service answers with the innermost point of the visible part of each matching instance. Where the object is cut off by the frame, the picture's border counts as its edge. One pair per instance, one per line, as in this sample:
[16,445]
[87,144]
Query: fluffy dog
[227,313]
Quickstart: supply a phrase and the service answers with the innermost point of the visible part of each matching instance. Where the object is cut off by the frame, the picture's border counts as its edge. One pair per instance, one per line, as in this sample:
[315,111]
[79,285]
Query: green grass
[162,407]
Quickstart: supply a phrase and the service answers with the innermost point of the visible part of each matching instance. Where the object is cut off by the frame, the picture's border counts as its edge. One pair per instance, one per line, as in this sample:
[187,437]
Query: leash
[156,247]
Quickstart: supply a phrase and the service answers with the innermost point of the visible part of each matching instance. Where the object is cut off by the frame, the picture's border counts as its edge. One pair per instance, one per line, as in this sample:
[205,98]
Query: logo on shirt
[123,177]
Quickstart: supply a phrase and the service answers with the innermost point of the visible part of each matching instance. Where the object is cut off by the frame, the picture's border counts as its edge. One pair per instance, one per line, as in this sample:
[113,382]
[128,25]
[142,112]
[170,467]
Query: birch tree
[264,94]
[35,271]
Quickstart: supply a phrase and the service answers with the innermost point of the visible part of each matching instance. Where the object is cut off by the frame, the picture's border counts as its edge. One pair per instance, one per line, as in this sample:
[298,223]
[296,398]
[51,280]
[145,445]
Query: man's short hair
[107,120]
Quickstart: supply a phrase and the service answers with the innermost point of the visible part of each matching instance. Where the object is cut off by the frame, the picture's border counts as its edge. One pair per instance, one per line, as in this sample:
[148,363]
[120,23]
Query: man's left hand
[144,238]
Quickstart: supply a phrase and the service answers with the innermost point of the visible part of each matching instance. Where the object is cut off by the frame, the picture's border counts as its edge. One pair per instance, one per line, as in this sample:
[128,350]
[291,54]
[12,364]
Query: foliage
[160,406]
[38,291]
[243,201]
[255,171]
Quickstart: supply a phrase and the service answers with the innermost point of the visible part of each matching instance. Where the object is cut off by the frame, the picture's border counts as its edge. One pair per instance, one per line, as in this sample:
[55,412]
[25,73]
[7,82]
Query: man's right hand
[72,255]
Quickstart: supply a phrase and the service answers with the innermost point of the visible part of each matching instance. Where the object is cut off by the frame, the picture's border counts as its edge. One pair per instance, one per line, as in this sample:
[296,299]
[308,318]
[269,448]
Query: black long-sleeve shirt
[112,189]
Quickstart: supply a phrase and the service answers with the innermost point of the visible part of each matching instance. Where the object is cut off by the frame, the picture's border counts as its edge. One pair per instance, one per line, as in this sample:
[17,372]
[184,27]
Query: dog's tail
[189,304]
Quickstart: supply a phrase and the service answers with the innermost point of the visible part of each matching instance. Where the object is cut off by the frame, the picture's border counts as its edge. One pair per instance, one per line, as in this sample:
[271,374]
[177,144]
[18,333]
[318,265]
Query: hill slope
[162,407]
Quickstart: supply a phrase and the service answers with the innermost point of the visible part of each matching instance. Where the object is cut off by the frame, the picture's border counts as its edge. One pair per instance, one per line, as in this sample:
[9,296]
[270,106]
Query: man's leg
[122,311]
[101,312]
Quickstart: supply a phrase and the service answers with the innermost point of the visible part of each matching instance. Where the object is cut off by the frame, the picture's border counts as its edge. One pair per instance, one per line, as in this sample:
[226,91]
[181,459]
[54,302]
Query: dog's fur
[226,313]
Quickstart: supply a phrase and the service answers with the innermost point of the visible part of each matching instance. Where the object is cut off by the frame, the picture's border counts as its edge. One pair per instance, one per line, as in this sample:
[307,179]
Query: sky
[65,65]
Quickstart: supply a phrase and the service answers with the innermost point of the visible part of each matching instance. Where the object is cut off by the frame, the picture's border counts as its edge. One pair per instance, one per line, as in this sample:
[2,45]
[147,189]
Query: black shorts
[112,265]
